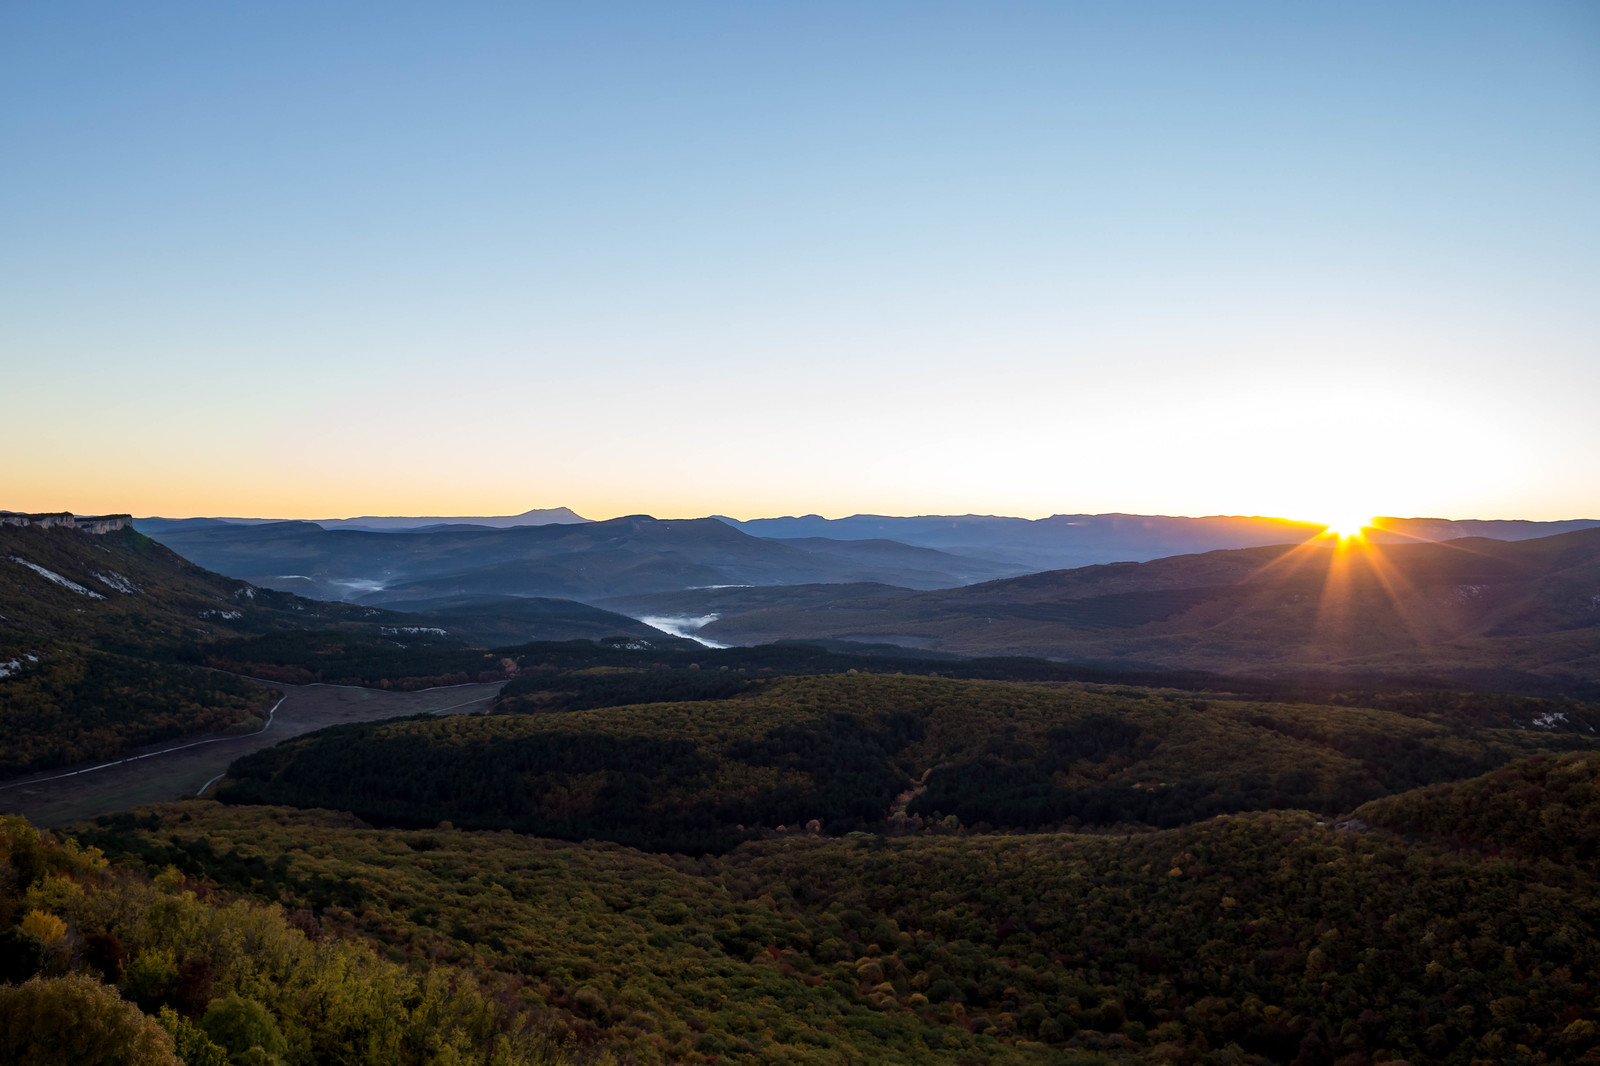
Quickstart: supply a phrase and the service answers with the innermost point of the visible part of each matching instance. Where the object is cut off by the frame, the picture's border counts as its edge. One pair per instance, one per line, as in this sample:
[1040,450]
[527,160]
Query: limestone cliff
[106,523]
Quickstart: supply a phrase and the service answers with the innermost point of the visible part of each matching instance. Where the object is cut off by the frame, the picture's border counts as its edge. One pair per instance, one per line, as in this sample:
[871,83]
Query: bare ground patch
[173,769]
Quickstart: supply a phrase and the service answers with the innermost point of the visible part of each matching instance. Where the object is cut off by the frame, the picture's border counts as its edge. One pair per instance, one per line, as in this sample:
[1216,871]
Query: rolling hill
[695,761]
[585,562]
[1259,938]
[1505,613]
[106,637]
[1076,540]
[891,925]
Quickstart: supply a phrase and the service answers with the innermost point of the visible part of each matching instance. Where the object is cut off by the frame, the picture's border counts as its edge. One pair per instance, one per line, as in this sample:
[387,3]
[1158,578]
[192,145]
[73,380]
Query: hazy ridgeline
[1226,595]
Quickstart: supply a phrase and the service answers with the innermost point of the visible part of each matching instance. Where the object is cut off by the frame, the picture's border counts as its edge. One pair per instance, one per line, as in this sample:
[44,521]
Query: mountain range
[1510,613]
[588,561]
[1520,609]
[535,517]
[1071,540]
[638,555]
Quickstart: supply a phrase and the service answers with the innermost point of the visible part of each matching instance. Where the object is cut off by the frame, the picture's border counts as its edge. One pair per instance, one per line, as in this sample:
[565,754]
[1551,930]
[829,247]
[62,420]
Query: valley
[157,773]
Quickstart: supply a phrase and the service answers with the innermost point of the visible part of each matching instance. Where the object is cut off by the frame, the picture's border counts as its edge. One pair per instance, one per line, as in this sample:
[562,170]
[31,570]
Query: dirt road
[172,769]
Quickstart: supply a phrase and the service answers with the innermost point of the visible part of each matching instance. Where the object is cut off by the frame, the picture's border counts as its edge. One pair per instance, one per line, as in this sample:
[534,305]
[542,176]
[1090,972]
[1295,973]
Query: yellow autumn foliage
[46,927]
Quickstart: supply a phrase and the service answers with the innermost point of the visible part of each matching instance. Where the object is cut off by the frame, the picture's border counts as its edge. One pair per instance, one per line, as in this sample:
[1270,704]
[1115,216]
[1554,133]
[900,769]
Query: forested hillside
[104,965]
[735,754]
[108,640]
[75,705]
[1545,807]
[1272,937]
[122,592]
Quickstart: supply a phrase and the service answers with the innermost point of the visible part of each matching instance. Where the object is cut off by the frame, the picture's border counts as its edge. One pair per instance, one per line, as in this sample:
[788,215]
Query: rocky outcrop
[106,523]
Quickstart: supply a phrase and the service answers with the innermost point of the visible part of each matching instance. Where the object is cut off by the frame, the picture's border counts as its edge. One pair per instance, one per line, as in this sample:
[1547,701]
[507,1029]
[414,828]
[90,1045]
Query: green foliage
[77,1021]
[658,959]
[239,1025]
[400,659]
[190,1042]
[1544,807]
[325,1000]
[1282,935]
[701,775]
[92,705]
[151,977]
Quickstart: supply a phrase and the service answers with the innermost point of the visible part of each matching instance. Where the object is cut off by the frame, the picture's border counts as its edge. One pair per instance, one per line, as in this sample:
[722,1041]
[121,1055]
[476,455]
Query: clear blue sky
[322,259]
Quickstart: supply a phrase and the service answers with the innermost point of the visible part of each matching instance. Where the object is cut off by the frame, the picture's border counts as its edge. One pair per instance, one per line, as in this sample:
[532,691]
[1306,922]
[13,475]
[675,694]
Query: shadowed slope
[1525,608]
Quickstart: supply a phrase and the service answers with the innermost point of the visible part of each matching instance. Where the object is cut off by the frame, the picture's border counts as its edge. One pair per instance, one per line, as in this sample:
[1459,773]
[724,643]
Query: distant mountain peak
[547,516]
[380,523]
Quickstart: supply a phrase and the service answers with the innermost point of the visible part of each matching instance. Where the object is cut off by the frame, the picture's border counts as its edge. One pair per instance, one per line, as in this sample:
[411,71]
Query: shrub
[47,927]
[77,1021]
[241,1025]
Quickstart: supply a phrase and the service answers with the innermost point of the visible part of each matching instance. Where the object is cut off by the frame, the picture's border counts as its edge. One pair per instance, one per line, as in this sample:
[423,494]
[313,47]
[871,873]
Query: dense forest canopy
[105,965]
[729,754]
[1271,937]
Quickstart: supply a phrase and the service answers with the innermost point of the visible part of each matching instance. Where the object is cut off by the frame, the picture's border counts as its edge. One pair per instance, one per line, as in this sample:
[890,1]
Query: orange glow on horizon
[1348,528]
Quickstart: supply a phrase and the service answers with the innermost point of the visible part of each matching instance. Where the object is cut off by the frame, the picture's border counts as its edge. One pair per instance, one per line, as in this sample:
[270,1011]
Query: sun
[1348,528]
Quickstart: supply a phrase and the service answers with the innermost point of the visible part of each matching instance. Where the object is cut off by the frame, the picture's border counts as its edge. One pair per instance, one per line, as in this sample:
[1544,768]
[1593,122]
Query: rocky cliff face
[108,523]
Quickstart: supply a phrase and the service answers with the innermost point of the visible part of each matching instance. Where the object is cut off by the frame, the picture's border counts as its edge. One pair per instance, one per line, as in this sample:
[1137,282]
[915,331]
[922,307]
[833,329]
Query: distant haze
[535,517]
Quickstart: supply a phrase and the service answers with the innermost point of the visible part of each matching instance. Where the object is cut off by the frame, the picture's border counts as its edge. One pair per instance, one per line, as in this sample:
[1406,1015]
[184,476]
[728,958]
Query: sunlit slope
[91,955]
[1468,607]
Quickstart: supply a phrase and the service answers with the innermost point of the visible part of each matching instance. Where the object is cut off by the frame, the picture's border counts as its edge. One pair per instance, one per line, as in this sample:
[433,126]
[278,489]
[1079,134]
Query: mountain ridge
[586,562]
[1065,541]
[380,523]
[1529,607]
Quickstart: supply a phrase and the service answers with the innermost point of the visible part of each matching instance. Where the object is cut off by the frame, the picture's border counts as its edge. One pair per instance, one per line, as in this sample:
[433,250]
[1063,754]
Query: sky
[320,260]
